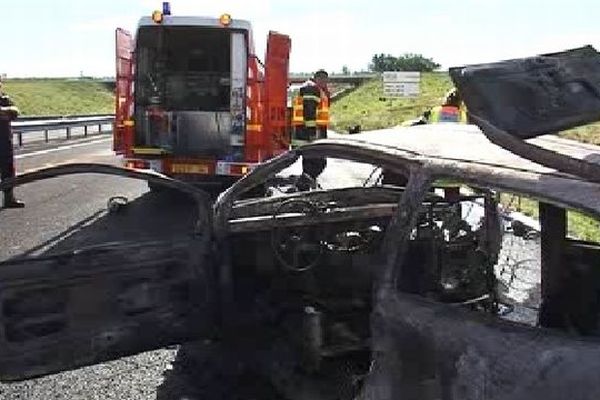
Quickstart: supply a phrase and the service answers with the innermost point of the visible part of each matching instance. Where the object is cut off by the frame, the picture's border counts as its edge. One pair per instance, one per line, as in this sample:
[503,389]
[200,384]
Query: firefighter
[310,119]
[8,112]
[452,110]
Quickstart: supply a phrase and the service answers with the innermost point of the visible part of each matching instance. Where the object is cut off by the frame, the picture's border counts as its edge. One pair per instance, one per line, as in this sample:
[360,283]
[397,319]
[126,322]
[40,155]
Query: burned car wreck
[399,285]
[429,288]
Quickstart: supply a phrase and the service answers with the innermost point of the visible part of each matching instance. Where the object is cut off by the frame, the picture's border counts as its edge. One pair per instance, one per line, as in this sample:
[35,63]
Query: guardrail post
[46,138]
[100,128]
[85,133]
[20,139]
[68,132]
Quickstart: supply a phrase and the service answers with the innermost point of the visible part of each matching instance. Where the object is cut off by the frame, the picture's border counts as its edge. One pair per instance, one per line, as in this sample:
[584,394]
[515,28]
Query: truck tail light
[136,164]
[232,169]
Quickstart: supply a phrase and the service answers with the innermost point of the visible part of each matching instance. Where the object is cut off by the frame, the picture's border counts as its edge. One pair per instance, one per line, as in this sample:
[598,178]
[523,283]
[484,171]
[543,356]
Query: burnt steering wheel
[298,247]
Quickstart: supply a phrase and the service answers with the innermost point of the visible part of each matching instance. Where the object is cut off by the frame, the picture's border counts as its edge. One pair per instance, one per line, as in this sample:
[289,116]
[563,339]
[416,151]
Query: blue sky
[66,37]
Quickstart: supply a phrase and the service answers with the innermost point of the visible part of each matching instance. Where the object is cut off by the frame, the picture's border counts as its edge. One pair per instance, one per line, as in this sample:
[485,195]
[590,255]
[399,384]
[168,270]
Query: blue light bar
[166,8]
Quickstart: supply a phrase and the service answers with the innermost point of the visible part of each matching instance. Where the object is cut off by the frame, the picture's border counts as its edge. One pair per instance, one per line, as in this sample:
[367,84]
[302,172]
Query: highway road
[55,205]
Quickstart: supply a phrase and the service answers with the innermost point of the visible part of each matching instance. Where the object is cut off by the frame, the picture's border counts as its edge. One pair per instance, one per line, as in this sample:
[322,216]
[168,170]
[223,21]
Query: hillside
[364,107]
[60,96]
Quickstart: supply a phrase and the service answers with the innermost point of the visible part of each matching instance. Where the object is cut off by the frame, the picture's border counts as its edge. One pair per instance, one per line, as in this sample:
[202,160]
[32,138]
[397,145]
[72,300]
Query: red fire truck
[194,102]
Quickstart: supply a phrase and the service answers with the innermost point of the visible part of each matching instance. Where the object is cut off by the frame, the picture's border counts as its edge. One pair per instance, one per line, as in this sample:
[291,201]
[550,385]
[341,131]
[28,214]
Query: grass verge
[61,96]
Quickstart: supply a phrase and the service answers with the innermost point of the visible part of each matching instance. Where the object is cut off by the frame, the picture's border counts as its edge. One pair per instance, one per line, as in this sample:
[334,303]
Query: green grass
[364,107]
[579,226]
[587,133]
[60,96]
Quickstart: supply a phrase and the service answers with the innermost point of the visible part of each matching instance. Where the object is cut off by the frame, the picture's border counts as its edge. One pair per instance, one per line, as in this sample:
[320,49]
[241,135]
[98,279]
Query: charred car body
[415,291]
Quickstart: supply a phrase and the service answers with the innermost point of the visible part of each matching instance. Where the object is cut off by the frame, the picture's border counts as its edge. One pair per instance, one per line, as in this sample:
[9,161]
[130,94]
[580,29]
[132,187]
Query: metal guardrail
[46,124]
[53,117]
[351,78]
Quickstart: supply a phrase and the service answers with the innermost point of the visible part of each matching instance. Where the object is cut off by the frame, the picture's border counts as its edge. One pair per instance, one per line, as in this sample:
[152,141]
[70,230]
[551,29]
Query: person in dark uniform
[8,112]
[311,120]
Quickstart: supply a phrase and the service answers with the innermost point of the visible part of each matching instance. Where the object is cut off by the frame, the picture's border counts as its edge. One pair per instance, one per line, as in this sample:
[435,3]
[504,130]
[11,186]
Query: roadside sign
[401,83]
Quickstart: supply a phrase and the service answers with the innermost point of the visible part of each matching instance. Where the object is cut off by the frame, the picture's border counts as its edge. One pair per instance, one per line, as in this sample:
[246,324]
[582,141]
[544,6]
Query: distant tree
[383,62]
[406,62]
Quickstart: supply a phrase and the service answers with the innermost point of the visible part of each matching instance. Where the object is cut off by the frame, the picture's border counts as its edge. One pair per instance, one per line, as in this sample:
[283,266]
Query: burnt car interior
[419,282]
[302,269]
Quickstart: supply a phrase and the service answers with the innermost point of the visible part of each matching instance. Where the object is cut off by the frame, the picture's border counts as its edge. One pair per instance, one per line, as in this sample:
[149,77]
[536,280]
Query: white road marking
[61,148]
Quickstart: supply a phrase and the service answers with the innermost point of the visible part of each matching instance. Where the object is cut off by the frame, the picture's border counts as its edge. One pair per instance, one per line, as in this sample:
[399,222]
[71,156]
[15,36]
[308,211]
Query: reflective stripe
[149,151]
[463,119]
[256,127]
[323,111]
[128,122]
[297,111]
[311,97]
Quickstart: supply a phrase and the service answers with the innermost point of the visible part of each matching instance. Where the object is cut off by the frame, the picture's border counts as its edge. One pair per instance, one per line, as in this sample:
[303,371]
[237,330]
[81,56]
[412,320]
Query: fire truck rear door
[124,92]
[276,85]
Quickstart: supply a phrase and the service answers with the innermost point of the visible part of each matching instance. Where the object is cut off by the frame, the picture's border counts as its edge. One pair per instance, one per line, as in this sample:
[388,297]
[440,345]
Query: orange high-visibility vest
[323,111]
[298,111]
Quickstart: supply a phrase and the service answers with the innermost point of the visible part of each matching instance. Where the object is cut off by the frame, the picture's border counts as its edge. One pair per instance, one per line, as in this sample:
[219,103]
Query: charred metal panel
[554,229]
[425,351]
[532,96]
[99,304]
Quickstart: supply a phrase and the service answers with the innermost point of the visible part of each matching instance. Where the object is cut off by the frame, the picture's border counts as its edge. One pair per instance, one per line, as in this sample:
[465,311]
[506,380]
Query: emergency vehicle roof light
[166,8]
[225,19]
[157,17]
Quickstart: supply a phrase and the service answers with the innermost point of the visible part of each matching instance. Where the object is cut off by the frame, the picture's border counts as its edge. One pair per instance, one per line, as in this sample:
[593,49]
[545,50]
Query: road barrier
[29,125]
